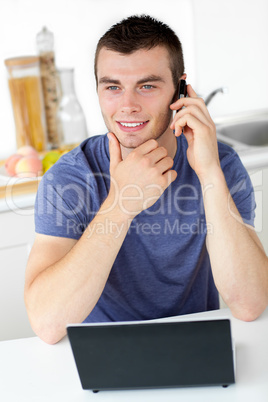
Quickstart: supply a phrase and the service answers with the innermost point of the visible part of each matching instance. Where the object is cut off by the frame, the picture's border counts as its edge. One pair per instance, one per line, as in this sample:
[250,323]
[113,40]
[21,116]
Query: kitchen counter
[17,196]
[21,192]
[17,193]
[31,370]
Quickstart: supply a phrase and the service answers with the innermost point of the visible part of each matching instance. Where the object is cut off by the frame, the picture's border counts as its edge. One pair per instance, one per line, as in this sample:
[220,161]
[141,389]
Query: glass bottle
[70,115]
[27,100]
[45,46]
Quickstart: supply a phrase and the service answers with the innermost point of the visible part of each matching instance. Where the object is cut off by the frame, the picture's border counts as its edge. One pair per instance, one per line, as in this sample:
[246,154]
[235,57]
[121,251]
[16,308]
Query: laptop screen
[153,355]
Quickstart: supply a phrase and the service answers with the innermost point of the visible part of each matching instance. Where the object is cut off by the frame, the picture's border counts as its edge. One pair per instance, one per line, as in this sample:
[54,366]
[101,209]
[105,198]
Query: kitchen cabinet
[259,178]
[16,239]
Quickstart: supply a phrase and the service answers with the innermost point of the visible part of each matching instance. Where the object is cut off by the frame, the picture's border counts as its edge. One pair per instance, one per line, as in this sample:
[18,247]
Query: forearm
[68,290]
[238,262]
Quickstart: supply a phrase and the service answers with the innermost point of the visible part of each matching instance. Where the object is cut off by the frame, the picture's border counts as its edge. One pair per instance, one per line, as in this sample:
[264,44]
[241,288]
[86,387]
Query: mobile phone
[182,92]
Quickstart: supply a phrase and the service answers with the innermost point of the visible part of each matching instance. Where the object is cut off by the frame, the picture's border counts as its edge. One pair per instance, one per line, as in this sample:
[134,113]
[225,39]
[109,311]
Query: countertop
[17,193]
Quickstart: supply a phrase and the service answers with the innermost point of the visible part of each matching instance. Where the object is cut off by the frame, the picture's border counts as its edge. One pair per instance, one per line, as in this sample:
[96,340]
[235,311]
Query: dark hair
[143,32]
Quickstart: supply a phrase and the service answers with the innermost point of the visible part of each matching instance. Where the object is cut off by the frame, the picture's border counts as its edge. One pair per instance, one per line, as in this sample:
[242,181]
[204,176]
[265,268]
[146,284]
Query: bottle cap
[45,40]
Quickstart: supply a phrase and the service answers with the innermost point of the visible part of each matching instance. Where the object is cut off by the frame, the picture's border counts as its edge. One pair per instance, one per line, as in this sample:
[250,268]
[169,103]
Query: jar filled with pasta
[27,100]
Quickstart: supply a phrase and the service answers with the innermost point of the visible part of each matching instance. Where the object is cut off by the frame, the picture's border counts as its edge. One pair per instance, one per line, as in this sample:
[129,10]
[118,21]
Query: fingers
[147,147]
[192,99]
[191,91]
[162,169]
[193,123]
[158,160]
[194,115]
[169,177]
[190,110]
[115,149]
[149,154]
[150,149]
[184,103]
[157,154]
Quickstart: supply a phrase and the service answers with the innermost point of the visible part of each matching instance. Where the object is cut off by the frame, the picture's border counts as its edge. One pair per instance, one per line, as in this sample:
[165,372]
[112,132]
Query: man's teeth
[131,124]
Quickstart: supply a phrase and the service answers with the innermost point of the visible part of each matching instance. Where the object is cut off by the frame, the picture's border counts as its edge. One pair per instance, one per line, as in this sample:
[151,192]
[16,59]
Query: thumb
[115,151]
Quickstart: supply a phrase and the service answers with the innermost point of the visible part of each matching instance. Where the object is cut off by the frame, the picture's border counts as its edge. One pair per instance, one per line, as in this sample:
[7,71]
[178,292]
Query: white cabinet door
[16,239]
[259,179]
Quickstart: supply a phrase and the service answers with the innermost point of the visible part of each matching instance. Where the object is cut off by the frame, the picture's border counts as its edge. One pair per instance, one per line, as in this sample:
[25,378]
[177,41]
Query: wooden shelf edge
[19,189]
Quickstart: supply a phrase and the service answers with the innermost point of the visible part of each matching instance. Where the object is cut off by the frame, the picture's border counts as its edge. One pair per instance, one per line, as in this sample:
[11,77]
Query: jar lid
[23,61]
[45,41]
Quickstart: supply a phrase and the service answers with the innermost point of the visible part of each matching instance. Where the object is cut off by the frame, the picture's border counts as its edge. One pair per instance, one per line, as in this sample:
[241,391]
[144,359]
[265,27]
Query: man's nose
[129,102]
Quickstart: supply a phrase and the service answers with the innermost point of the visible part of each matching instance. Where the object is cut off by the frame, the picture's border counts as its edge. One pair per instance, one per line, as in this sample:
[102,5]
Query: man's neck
[169,141]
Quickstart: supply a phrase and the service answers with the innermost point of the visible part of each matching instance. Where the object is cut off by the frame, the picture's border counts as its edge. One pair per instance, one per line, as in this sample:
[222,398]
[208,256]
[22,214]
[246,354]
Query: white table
[31,370]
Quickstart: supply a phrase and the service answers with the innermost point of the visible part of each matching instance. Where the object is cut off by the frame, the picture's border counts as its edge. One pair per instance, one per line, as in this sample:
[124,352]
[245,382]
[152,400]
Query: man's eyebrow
[149,78]
[108,80]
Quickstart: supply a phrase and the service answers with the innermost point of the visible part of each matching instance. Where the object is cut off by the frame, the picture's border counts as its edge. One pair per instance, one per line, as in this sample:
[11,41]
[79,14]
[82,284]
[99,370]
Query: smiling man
[145,221]
[136,107]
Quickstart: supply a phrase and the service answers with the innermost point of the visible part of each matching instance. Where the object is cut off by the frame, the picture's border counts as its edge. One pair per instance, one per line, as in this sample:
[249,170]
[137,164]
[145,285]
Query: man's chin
[131,142]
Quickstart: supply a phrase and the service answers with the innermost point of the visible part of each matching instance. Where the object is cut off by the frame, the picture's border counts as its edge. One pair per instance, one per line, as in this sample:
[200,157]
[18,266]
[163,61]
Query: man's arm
[64,277]
[238,261]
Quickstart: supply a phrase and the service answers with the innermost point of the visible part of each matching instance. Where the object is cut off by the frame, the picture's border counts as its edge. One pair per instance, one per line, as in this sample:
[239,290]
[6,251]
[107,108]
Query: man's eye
[113,88]
[147,86]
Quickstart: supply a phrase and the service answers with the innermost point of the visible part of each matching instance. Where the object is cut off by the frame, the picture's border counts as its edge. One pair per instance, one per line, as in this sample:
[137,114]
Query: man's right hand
[138,181]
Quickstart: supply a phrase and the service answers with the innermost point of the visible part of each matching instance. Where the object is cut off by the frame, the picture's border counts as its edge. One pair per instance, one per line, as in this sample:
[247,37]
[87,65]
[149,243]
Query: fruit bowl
[28,165]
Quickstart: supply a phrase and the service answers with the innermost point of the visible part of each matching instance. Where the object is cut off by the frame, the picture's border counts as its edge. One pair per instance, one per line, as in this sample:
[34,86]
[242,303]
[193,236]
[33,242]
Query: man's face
[135,92]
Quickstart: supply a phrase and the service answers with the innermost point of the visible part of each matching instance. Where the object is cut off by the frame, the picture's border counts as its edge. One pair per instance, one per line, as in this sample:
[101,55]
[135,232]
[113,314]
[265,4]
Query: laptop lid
[153,355]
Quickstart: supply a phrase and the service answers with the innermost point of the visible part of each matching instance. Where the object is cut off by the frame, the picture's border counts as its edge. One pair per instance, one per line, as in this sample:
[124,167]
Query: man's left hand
[200,132]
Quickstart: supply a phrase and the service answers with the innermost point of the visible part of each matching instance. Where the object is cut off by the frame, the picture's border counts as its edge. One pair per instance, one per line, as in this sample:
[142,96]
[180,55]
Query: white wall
[231,50]
[225,43]
[77,26]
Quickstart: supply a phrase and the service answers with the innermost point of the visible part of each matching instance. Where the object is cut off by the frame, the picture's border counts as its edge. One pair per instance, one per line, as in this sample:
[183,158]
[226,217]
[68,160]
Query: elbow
[48,333]
[248,314]
[50,339]
[43,325]
[247,308]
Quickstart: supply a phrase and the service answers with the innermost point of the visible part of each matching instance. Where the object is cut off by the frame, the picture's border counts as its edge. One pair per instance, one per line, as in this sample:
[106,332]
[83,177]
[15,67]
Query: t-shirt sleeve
[240,187]
[64,203]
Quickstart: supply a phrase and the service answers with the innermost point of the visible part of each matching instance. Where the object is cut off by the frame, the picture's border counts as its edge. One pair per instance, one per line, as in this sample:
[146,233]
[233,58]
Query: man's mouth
[132,125]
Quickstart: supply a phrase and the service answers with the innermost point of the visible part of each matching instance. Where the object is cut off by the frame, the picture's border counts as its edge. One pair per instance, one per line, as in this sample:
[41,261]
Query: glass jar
[45,47]
[27,101]
[70,115]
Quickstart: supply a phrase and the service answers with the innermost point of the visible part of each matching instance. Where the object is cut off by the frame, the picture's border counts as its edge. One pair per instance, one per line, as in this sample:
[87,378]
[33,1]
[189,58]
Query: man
[142,223]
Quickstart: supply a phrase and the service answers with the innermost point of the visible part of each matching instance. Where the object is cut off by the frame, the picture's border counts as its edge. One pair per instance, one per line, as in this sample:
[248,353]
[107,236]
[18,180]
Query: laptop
[137,355]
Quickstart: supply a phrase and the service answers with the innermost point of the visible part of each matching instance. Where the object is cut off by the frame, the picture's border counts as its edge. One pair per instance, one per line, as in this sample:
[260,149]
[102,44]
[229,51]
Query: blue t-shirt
[163,267]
